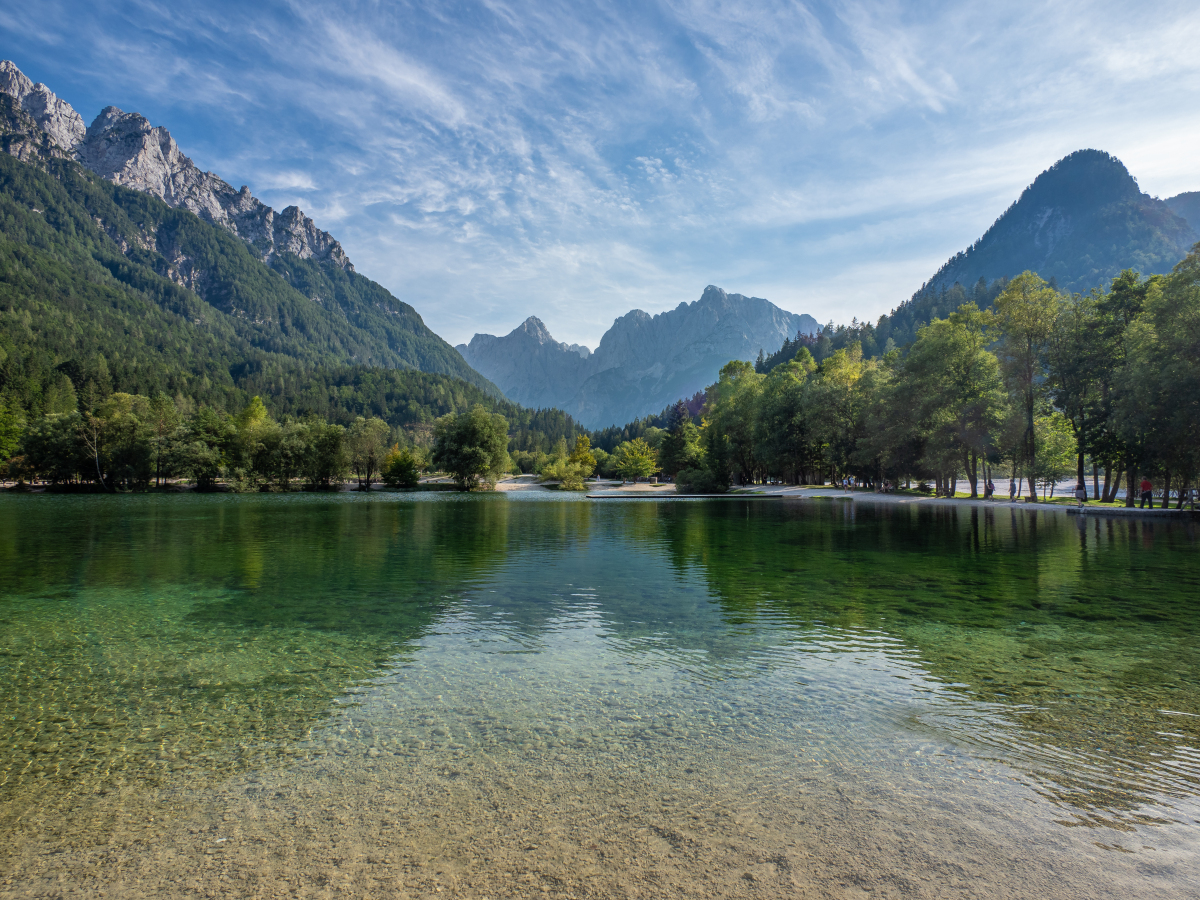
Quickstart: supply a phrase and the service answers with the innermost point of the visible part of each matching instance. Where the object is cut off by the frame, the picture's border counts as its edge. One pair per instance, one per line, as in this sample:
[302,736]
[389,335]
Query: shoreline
[830,493]
[615,490]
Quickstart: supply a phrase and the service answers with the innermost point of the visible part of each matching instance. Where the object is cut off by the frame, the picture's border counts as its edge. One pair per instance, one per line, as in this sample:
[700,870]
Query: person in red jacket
[1147,493]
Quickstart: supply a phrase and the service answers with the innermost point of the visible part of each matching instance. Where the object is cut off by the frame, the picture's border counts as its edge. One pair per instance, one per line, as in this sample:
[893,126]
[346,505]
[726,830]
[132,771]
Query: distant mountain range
[643,362]
[285,285]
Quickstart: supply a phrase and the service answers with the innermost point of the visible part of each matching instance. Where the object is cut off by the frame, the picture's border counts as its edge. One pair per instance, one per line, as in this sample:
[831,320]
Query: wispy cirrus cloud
[492,159]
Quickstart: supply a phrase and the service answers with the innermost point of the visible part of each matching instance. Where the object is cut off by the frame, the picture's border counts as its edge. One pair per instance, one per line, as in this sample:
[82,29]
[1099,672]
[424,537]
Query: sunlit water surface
[484,697]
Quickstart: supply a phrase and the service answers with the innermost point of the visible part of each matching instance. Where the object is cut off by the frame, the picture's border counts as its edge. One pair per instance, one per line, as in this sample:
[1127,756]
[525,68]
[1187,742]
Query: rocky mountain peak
[536,329]
[125,148]
[54,116]
[643,362]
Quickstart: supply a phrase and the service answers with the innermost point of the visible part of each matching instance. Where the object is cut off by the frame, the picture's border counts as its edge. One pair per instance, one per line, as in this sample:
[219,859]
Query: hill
[643,362]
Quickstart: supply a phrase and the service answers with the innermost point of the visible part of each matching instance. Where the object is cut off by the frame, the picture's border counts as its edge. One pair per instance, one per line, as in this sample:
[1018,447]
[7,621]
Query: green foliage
[582,456]
[1026,313]
[1040,382]
[472,446]
[12,425]
[568,474]
[635,459]
[1055,450]
[401,468]
[366,444]
[680,446]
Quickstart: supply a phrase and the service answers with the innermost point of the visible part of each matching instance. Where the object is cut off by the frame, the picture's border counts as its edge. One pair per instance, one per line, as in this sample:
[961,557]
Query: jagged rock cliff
[53,116]
[126,149]
[643,362]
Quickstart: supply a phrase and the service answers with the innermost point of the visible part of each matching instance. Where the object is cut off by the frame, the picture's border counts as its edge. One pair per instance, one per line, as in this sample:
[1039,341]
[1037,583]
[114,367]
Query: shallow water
[484,696]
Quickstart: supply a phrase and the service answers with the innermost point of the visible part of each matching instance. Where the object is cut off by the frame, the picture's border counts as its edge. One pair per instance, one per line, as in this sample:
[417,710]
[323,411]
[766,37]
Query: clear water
[484,697]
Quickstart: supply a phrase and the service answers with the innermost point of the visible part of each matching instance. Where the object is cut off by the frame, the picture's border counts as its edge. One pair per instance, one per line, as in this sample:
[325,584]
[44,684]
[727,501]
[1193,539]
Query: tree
[835,404]
[471,446]
[1077,361]
[367,442]
[955,386]
[712,474]
[635,459]
[1026,312]
[680,448]
[53,449]
[782,434]
[1055,451]
[12,425]
[582,455]
[163,421]
[731,407]
[325,461]
[1158,396]
[400,469]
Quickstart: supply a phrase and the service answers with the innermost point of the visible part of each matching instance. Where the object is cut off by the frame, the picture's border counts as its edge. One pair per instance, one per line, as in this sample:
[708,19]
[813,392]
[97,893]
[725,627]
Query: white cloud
[501,158]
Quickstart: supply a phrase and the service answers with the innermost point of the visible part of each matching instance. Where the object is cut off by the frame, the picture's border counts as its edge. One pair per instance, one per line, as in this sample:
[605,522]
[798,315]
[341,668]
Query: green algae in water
[907,658]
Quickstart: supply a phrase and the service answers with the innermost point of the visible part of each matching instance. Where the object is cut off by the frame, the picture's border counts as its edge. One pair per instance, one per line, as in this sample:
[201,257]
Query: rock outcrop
[53,116]
[126,149]
[643,362]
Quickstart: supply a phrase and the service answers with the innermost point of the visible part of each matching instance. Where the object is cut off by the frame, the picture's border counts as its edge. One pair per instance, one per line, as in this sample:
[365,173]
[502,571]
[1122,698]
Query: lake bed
[482,696]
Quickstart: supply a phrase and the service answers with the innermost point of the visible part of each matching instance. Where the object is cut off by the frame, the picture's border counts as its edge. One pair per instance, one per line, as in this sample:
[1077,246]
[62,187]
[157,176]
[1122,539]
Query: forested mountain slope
[1081,223]
[284,285]
[91,302]
[1186,206]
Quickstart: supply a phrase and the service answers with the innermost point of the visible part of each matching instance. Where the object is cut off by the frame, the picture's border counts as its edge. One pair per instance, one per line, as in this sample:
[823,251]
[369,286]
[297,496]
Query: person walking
[1081,494]
[1147,490]
[991,489]
[1012,491]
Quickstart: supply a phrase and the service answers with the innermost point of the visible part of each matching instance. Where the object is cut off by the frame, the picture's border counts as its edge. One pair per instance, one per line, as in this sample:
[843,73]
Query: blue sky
[489,160]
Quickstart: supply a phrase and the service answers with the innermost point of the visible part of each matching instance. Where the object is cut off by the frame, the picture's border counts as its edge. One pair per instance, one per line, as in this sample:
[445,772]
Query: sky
[487,160]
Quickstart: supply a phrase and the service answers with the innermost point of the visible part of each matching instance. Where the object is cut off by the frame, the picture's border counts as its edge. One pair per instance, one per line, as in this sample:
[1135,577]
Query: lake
[482,696]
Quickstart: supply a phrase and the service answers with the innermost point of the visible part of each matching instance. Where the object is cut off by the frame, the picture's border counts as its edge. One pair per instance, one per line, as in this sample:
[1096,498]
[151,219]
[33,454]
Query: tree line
[1042,385]
[1104,386]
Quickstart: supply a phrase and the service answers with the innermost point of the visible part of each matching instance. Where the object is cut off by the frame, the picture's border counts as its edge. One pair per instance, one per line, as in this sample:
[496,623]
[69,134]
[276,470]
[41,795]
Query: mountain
[1081,222]
[643,362]
[284,285]
[1186,206]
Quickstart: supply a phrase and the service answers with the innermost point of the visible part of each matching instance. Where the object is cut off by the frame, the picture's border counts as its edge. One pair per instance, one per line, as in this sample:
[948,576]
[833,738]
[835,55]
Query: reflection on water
[674,698]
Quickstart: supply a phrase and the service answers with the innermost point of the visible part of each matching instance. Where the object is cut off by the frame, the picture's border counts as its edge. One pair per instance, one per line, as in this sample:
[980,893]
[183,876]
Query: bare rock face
[643,362]
[528,365]
[54,116]
[21,137]
[126,149]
